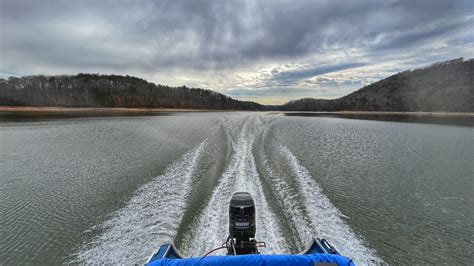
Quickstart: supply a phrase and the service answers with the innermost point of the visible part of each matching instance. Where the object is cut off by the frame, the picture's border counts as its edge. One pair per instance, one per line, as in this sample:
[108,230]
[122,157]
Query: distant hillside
[447,86]
[90,90]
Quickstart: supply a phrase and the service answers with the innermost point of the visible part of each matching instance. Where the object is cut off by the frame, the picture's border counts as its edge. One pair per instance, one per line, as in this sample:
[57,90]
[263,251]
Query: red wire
[209,252]
[213,251]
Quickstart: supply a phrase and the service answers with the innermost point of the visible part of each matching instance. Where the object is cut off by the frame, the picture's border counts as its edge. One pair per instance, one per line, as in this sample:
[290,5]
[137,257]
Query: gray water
[110,190]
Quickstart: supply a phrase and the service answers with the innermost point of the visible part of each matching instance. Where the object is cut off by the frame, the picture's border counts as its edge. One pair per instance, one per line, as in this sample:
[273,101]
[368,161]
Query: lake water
[111,189]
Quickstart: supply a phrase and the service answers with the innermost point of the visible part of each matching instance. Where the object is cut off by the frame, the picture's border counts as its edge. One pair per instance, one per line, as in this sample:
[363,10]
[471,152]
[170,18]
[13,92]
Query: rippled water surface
[111,189]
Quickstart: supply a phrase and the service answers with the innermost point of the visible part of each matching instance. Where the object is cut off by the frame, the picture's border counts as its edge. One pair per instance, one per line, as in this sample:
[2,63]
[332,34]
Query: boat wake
[291,207]
[211,228]
[150,217]
[325,219]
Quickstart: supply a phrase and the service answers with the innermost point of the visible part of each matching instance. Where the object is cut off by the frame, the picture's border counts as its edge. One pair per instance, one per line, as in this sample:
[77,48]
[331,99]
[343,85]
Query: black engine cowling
[242,227]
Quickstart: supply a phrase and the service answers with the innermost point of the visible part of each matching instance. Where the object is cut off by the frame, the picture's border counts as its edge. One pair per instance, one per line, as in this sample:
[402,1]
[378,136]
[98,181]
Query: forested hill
[90,90]
[446,86]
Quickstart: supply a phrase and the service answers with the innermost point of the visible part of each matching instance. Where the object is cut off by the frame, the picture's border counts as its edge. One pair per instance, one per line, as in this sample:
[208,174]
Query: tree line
[94,90]
[446,86]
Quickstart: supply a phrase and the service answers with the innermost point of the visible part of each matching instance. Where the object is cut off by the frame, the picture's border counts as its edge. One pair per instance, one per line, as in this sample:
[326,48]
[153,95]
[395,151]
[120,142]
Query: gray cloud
[290,77]
[226,45]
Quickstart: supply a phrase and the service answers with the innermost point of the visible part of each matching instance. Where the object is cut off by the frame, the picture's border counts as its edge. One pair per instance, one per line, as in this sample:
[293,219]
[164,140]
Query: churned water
[110,190]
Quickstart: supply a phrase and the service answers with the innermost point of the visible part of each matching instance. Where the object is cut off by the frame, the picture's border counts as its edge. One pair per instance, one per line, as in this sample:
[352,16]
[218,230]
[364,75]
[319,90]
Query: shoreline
[388,113]
[58,109]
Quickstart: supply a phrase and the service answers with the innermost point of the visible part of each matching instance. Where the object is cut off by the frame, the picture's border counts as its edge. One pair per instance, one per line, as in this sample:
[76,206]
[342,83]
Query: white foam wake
[325,217]
[149,218]
[211,228]
[302,227]
[154,213]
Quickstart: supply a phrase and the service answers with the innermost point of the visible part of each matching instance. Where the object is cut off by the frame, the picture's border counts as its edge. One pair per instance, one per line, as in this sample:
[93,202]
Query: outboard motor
[242,227]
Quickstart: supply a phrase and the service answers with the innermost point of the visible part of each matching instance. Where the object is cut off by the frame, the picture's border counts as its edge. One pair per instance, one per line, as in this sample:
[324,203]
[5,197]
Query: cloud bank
[267,51]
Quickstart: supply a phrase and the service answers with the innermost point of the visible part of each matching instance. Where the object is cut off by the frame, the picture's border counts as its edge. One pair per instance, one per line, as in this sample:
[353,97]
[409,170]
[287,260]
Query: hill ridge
[443,86]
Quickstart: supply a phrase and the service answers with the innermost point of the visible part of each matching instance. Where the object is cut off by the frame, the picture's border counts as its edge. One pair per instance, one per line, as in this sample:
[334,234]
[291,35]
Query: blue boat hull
[318,252]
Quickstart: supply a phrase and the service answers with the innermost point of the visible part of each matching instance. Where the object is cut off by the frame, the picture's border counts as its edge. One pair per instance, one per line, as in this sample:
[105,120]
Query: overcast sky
[266,51]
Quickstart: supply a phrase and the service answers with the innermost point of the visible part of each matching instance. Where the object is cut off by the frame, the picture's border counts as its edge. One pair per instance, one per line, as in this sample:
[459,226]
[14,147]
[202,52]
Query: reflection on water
[425,119]
[32,116]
